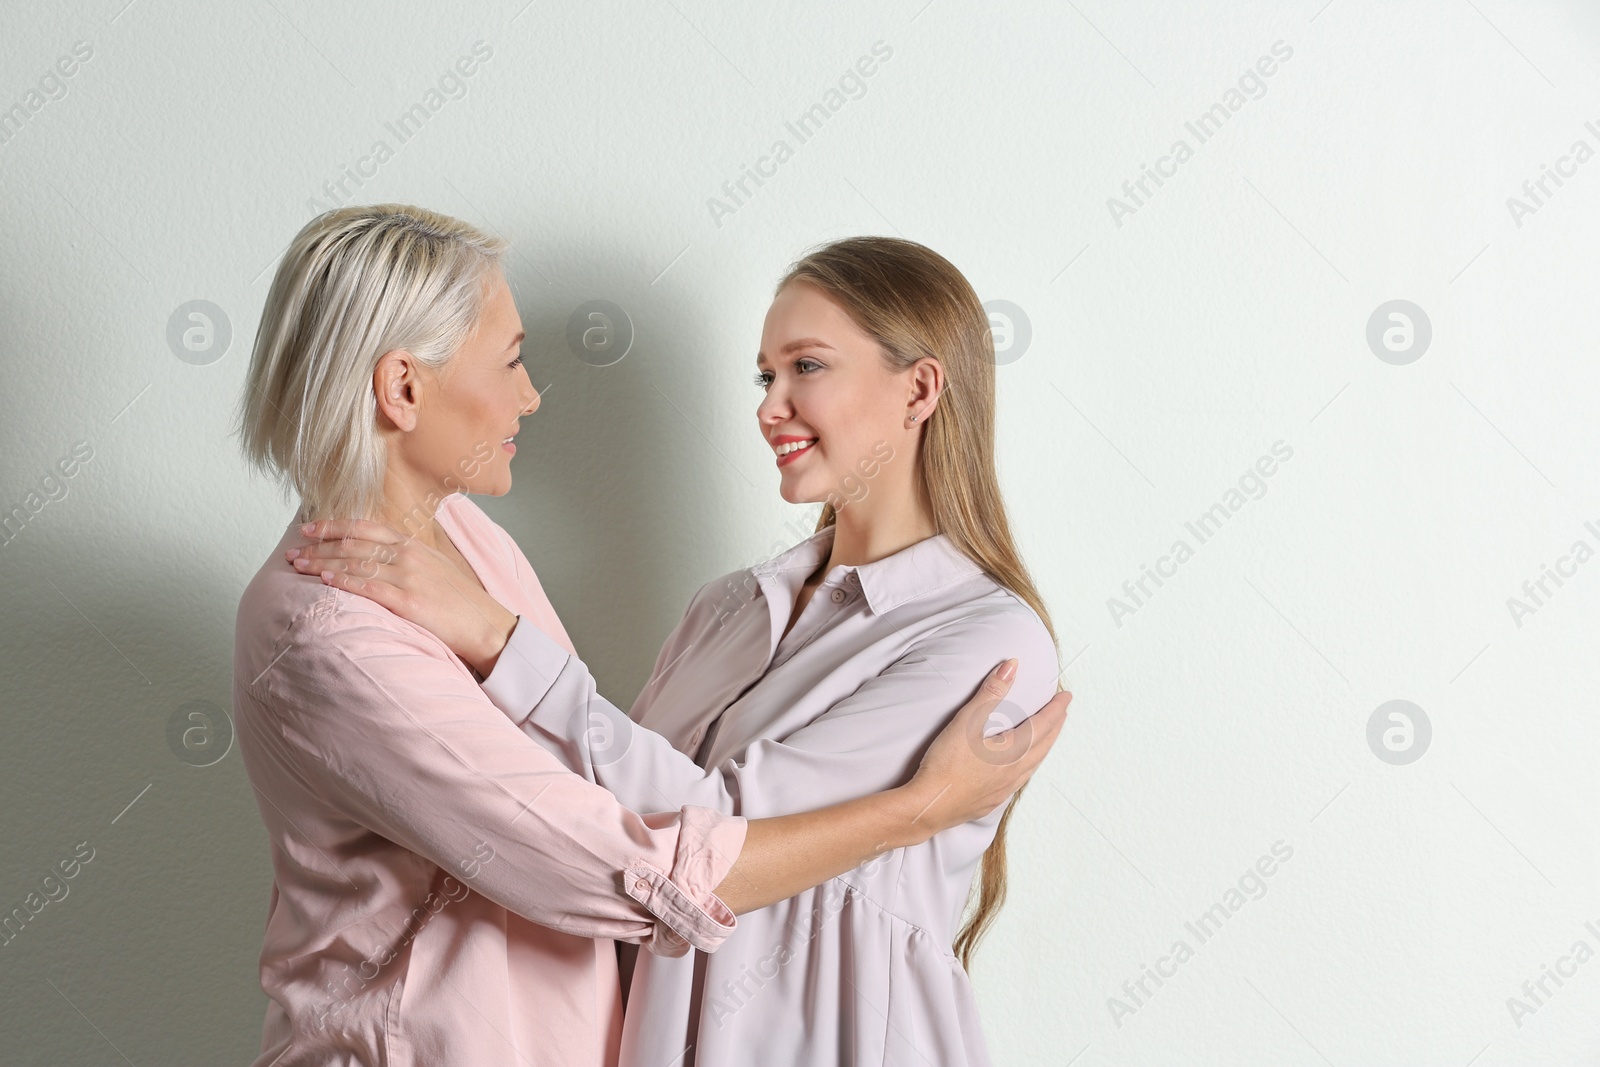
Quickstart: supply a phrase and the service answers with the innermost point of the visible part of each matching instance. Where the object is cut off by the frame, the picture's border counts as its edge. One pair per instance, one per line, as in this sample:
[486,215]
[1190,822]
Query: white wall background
[1228,712]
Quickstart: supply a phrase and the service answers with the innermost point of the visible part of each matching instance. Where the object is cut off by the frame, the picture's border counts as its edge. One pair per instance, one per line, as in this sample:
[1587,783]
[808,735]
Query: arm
[870,740]
[790,854]
[958,780]
[954,784]
[380,723]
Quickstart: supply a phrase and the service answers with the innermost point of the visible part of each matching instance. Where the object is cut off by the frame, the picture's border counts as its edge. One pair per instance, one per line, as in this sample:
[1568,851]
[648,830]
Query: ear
[927,385]
[396,383]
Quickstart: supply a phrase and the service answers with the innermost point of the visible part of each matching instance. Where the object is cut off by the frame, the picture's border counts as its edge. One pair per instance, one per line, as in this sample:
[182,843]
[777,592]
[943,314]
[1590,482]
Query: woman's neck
[412,516]
[865,535]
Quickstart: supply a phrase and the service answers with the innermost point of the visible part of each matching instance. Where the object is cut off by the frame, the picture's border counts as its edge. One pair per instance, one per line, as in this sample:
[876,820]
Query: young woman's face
[473,405]
[829,391]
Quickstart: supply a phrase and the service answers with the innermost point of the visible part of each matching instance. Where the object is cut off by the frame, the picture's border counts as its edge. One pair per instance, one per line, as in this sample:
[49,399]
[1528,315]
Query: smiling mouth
[789,452]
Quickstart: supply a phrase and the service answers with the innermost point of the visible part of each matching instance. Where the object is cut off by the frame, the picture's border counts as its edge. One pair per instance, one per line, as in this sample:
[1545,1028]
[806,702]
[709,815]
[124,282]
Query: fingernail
[1008,670]
[309,528]
[291,554]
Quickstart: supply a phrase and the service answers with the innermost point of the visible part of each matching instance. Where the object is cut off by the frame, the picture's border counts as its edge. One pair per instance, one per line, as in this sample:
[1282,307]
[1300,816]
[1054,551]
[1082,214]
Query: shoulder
[722,595]
[735,587]
[993,617]
[987,625]
[295,637]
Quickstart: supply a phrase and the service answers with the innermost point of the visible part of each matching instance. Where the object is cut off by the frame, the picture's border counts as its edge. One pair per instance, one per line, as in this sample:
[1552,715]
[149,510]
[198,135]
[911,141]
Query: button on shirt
[858,970]
[443,889]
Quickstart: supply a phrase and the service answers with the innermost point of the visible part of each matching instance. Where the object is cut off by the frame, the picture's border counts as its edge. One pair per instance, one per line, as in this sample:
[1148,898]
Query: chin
[799,494]
[495,488]
[793,493]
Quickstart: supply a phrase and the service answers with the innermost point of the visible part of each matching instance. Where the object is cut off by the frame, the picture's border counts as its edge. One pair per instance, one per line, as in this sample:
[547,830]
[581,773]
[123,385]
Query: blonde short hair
[355,282]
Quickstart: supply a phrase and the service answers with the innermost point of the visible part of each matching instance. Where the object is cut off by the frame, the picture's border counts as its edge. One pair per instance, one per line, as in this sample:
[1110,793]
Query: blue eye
[801,366]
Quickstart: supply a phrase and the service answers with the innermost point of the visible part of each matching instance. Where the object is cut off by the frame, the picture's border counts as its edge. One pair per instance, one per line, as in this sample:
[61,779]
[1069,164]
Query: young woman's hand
[965,775]
[412,580]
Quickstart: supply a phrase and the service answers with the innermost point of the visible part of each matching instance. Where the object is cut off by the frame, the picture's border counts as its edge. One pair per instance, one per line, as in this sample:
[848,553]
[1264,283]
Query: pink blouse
[443,889]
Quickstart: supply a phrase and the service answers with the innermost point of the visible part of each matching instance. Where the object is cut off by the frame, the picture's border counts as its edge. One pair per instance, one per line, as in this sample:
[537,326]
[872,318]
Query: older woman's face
[467,413]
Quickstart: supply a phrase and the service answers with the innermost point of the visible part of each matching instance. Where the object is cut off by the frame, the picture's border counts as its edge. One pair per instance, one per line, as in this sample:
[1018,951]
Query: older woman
[444,889]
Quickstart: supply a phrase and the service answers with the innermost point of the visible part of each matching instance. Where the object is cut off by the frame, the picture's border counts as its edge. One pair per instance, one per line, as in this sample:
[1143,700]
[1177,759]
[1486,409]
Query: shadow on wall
[624,496]
[621,502]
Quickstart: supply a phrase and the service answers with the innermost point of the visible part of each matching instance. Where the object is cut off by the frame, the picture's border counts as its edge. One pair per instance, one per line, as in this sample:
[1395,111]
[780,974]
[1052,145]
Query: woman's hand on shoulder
[416,582]
[965,775]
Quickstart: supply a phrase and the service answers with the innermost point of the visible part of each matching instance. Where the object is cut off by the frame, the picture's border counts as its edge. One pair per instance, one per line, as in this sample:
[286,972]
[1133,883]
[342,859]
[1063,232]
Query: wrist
[911,811]
[491,641]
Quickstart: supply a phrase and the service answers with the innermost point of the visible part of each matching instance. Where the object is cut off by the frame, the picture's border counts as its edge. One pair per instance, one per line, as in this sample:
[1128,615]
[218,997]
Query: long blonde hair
[915,304]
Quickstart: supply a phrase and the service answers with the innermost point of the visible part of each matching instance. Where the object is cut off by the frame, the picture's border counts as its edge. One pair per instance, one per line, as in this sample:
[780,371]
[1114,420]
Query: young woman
[443,887]
[817,674]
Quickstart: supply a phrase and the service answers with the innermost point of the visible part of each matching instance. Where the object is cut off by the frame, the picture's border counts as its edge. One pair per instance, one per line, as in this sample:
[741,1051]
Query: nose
[530,397]
[774,408]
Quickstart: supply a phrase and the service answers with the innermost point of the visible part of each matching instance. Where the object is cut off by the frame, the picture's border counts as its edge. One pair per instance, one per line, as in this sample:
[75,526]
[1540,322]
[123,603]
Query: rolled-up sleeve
[871,740]
[380,721]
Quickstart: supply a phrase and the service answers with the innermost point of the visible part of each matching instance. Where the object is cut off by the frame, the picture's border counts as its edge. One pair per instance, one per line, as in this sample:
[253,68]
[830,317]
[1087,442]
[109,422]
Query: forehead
[498,319]
[803,315]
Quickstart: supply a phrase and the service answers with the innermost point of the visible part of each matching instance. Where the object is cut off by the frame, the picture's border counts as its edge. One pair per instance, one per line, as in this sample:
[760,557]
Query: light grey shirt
[858,970]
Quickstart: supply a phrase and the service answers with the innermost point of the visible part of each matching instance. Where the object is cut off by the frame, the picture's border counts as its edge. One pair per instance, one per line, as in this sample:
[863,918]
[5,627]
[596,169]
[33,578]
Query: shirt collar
[914,571]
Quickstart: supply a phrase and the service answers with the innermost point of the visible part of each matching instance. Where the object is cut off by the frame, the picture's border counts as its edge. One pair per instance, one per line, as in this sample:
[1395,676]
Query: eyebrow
[517,340]
[795,346]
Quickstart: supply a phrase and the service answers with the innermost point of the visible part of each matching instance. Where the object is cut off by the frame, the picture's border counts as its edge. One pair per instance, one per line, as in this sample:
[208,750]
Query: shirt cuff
[528,666]
[685,901]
